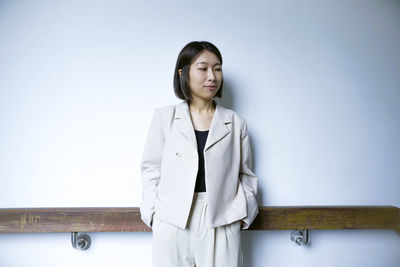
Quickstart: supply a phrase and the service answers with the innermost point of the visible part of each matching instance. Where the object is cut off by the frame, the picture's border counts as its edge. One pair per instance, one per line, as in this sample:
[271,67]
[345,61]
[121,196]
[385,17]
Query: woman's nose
[211,75]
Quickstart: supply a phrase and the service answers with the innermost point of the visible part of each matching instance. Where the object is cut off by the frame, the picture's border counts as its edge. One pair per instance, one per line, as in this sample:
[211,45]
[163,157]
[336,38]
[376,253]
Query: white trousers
[197,245]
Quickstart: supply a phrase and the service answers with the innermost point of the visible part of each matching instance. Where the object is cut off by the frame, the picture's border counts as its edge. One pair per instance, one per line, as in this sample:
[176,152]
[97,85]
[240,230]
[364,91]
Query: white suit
[170,163]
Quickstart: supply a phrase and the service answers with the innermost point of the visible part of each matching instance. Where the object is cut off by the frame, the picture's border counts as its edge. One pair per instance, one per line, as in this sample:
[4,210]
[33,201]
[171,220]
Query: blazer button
[178,154]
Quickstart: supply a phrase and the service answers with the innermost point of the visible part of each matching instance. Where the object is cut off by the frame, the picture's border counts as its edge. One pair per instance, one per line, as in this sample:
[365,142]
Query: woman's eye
[202,68]
[218,69]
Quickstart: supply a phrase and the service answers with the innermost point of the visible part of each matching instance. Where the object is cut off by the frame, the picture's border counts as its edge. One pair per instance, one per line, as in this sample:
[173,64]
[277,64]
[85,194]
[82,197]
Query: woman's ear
[180,72]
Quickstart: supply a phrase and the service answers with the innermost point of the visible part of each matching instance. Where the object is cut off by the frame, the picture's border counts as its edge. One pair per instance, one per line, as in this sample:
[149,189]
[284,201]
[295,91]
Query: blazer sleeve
[248,179]
[151,167]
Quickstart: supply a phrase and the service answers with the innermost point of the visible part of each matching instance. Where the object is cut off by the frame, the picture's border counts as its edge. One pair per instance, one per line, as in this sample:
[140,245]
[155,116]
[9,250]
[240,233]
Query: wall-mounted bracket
[300,237]
[80,241]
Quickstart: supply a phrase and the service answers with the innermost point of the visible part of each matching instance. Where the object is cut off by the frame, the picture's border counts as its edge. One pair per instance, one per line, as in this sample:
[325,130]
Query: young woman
[198,187]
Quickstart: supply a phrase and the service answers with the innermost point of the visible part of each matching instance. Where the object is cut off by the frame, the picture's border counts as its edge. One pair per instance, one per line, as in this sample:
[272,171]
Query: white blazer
[169,167]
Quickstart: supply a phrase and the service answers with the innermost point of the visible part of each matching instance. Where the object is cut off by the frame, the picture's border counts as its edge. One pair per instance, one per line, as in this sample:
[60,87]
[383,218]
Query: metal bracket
[300,237]
[80,241]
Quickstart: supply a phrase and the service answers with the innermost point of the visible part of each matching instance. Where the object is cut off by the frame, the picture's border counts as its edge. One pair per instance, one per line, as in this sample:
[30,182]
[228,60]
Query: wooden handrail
[47,220]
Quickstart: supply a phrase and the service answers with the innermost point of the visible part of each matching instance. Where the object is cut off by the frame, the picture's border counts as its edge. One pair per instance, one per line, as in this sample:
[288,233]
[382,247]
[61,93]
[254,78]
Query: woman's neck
[200,106]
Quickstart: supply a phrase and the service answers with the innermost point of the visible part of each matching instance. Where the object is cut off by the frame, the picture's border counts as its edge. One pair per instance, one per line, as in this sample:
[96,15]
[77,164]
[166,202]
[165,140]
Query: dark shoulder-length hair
[185,58]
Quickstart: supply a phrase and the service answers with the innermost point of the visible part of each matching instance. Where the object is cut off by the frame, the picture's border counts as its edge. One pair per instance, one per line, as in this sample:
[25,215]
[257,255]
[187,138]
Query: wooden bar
[48,220]
[328,218]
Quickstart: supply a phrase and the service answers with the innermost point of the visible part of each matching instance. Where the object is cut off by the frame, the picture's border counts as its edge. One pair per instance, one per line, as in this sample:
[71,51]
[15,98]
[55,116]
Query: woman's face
[205,76]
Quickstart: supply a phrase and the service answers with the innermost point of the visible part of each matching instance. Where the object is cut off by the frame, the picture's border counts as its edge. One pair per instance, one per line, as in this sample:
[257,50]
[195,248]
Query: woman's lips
[210,87]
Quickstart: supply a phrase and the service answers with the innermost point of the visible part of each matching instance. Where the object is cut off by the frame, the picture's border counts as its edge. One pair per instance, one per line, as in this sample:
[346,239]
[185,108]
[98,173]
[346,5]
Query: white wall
[317,81]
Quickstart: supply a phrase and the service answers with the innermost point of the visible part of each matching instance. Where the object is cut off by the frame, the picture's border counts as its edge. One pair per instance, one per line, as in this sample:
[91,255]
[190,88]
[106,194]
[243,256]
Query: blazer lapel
[184,122]
[218,128]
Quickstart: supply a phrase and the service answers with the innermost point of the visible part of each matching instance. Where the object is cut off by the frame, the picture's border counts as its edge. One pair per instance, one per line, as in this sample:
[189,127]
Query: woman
[198,188]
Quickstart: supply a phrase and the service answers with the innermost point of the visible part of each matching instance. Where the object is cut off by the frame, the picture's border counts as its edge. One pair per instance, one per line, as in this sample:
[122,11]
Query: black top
[201,137]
